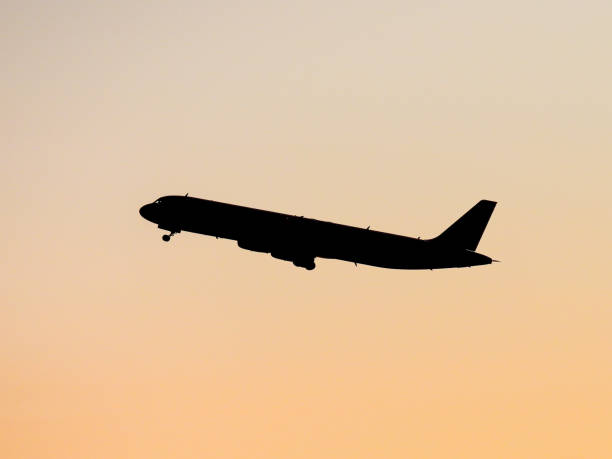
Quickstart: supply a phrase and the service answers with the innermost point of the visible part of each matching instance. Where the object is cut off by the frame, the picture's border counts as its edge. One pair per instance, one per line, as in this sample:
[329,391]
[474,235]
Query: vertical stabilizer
[467,231]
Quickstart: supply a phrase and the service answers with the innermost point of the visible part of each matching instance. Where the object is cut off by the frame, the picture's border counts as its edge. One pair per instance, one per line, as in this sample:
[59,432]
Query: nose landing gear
[166,237]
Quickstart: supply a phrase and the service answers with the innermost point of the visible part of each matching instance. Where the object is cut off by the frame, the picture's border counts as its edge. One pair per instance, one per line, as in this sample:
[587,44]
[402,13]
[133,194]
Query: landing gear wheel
[166,237]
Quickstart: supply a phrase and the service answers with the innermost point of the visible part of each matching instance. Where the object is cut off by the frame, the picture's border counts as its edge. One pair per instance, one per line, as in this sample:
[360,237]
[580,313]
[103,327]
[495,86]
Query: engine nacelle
[255,246]
[281,255]
[301,261]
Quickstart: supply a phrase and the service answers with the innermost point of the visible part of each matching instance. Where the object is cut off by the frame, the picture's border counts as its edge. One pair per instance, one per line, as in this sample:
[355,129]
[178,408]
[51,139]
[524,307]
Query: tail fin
[467,231]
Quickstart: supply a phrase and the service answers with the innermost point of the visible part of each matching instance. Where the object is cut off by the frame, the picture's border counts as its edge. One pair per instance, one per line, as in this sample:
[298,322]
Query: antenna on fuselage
[186,194]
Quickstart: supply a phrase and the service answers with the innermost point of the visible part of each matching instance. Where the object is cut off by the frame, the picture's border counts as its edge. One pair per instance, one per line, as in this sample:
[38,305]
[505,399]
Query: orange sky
[398,115]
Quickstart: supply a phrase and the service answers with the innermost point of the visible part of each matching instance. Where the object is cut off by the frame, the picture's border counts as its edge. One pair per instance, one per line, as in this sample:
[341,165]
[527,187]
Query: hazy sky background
[395,114]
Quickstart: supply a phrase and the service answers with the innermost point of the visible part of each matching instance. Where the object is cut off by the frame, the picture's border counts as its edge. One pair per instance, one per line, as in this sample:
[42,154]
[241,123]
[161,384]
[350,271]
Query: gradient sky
[395,114]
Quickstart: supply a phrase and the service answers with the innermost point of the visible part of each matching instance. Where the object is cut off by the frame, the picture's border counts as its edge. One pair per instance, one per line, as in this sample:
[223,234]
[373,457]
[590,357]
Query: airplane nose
[145,211]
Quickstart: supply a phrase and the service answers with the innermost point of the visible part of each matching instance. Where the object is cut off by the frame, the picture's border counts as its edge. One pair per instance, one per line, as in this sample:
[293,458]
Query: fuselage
[295,238]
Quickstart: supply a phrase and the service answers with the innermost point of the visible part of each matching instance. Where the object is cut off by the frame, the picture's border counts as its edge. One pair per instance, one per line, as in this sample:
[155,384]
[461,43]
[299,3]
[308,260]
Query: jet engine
[301,261]
[255,246]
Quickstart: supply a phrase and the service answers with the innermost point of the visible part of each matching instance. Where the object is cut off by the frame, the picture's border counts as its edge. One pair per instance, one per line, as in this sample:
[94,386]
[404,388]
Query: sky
[396,114]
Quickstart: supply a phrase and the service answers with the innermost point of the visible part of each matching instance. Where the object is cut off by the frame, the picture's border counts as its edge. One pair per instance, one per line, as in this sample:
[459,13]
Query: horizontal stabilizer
[466,232]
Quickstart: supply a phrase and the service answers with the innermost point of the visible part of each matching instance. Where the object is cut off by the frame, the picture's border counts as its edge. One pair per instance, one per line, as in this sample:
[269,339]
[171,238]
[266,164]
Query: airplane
[300,240]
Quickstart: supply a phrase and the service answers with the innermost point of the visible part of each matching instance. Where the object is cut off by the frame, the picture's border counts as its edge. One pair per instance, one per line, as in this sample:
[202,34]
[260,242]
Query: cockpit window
[158,201]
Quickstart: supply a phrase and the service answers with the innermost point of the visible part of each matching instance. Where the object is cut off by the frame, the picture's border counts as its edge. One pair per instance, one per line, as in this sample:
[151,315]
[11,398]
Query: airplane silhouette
[300,240]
